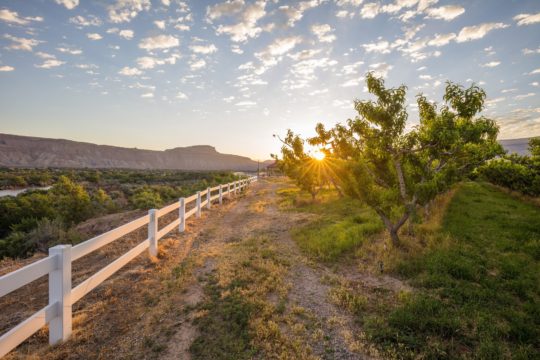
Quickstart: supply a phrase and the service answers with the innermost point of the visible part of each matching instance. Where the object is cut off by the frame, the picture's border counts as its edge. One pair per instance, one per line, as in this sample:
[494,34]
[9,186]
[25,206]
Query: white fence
[58,266]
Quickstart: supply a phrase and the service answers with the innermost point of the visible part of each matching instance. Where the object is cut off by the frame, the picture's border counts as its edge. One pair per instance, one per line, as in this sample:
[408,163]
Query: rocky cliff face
[25,151]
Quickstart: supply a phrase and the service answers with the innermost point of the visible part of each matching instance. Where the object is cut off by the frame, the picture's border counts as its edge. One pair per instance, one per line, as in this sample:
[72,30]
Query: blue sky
[159,74]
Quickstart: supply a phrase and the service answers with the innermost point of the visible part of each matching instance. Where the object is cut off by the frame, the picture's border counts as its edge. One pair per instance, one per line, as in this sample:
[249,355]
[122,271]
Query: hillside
[518,146]
[26,151]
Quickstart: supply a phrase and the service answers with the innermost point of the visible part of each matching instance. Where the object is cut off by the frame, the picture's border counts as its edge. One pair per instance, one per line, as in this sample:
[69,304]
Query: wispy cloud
[14,18]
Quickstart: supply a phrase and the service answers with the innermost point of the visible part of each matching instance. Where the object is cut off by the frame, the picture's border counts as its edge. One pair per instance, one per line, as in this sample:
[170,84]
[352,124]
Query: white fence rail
[58,266]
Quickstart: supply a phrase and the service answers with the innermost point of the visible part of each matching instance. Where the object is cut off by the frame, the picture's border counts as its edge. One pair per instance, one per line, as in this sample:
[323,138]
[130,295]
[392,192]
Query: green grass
[224,331]
[477,297]
[341,224]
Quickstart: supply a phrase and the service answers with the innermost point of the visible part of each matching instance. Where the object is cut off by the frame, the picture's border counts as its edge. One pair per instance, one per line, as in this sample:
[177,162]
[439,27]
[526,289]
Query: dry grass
[131,315]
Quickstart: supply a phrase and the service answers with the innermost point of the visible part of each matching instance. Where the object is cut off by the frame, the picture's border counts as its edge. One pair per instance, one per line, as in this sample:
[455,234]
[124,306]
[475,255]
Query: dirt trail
[147,310]
[258,214]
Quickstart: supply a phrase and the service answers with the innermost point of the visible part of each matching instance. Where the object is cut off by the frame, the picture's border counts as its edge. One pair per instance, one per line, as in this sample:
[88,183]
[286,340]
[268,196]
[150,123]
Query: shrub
[519,173]
[145,199]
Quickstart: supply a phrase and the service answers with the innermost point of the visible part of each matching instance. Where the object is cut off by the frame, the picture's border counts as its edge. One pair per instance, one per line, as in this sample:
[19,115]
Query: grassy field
[476,294]
[340,225]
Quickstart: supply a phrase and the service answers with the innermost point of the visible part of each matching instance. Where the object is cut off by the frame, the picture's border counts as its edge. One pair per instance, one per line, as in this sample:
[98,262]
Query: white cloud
[86,66]
[469,33]
[304,54]
[535,71]
[23,44]
[531,51]
[166,2]
[370,10]
[441,39]
[50,63]
[524,96]
[125,10]
[323,32]
[349,2]
[426,77]
[45,55]
[351,82]
[148,62]
[69,4]
[380,69]
[535,83]
[159,42]
[181,27]
[181,96]
[197,64]
[344,13]
[527,19]
[14,18]
[247,27]
[160,24]
[352,69]
[318,92]
[6,68]
[147,95]
[94,36]
[275,51]
[296,12]
[127,71]
[236,49]
[448,12]
[246,103]
[203,49]
[70,51]
[126,34]
[306,68]
[82,21]
[491,64]
[226,8]
[382,47]
[344,104]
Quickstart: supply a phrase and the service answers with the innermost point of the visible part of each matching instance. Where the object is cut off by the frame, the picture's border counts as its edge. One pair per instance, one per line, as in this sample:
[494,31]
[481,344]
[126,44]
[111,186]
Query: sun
[318,155]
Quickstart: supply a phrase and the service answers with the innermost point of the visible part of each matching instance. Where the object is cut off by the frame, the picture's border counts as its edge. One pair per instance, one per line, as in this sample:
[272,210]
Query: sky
[159,74]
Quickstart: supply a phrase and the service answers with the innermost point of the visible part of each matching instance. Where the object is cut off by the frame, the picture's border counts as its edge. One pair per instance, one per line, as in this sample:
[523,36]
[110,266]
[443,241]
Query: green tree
[71,201]
[146,198]
[299,165]
[393,170]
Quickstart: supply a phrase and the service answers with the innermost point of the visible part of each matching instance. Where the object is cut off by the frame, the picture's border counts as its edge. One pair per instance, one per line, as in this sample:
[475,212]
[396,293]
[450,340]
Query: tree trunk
[395,237]
[337,187]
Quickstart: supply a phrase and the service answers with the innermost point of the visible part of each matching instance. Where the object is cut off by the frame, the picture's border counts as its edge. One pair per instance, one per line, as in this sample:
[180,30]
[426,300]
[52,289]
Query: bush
[145,199]
[519,173]
[46,234]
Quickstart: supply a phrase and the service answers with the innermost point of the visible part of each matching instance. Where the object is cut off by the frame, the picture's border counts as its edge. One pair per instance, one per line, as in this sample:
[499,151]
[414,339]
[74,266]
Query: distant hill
[26,151]
[518,146]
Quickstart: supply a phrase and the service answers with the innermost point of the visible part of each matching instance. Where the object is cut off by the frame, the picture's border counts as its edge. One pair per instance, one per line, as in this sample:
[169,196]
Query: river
[15,192]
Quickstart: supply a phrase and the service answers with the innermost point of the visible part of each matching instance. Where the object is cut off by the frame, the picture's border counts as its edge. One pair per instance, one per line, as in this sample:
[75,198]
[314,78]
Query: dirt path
[154,308]
[257,214]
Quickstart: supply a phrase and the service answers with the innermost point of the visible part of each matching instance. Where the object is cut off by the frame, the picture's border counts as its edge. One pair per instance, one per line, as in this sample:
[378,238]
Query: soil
[145,310]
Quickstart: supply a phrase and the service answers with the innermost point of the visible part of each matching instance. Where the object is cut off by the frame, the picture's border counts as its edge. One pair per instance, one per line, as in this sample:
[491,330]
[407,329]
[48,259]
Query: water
[16,192]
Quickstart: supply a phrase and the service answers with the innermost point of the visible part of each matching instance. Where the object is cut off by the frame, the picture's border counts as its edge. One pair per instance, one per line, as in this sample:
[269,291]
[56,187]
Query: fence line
[58,266]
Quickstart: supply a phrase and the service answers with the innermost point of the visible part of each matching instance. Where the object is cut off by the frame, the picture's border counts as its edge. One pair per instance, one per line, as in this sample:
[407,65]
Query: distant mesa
[517,146]
[35,152]
[26,151]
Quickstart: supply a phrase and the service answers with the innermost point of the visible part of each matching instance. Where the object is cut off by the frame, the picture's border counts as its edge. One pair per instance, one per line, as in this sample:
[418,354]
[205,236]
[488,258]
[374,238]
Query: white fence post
[198,213]
[208,198]
[182,215]
[60,293]
[235,187]
[220,194]
[229,190]
[152,232]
